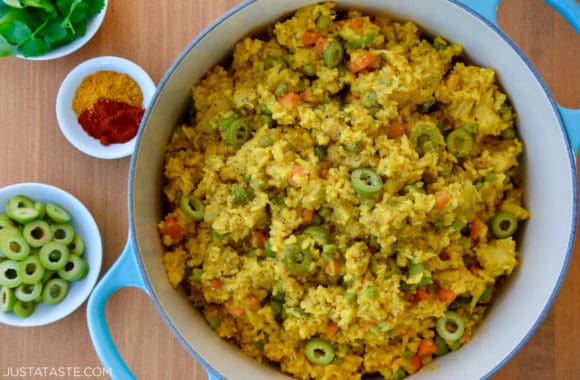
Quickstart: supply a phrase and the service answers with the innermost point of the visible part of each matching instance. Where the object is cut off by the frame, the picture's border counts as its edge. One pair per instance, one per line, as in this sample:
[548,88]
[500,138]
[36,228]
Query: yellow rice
[310,128]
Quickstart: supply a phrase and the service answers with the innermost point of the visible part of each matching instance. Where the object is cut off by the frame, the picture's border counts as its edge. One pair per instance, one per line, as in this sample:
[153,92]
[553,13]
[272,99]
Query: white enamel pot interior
[546,240]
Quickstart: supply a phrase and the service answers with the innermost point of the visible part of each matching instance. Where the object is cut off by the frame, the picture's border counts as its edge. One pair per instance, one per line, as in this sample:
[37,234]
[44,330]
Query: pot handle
[124,272]
[570,9]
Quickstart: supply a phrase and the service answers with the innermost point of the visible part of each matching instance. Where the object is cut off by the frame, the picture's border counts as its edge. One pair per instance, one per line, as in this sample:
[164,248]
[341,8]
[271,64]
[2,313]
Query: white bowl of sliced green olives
[50,254]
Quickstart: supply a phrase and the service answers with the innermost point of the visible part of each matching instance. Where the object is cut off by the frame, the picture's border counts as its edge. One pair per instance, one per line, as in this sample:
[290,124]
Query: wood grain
[152,34]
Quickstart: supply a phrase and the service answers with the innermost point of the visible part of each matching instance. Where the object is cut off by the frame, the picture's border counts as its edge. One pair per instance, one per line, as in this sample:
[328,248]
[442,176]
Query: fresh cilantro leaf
[6,49]
[46,5]
[53,31]
[17,33]
[34,47]
[94,6]
[63,6]
[14,3]
[79,13]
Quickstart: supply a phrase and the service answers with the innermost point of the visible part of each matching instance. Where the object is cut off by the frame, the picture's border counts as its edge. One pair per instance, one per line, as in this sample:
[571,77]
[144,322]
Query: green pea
[309,69]
[281,89]
[240,195]
[264,141]
[268,251]
[320,152]
[273,60]
[369,99]
[322,22]
[320,234]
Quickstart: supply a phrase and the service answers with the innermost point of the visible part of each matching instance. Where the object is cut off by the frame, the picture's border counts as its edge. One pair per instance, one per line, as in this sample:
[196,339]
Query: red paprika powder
[111,121]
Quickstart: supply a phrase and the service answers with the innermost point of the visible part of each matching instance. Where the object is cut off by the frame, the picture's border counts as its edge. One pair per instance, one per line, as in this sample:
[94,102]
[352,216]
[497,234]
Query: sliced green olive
[57,213]
[192,206]
[7,299]
[63,233]
[14,246]
[37,233]
[75,269]
[55,291]
[450,326]
[30,270]
[459,142]
[28,292]
[24,309]
[53,255]
[319,351]
[297,259]
[333,54]
[503,224]
[366,181]
[9,277]
[237,133]
[426,137]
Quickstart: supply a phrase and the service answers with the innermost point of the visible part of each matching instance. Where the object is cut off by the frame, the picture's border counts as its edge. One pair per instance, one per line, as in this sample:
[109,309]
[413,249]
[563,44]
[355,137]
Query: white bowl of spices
[100,104]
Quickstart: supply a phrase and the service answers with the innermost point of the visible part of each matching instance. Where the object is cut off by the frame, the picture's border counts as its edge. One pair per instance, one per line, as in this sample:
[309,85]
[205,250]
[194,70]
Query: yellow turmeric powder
[108,85]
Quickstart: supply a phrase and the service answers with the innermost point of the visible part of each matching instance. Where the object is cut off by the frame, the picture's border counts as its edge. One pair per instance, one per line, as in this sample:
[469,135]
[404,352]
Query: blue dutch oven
[551,135]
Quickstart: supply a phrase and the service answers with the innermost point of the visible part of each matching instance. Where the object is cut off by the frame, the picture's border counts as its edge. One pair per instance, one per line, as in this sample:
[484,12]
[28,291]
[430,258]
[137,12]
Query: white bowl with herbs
[48,29]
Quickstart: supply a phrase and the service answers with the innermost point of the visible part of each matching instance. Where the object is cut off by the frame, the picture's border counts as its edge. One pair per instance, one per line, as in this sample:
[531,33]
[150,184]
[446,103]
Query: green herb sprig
[34,27]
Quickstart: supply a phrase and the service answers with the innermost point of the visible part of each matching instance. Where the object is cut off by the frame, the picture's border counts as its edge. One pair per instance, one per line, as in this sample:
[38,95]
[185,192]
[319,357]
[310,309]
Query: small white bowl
[67,119]
[93,25]
[84,224]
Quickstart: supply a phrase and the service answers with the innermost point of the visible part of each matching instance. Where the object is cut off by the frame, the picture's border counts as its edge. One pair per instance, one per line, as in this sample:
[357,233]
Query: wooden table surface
[152,34]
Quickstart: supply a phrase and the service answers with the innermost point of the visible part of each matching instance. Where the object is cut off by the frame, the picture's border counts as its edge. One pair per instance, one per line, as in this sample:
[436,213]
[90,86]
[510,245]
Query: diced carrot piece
[395,130]
[415,364]
[446,295]
[307,216]
[296,171]
[331,329]
[234,309]
[310,38]
[290,99]
[356,23]
[421,295]
[476,227]
[215,284]
[360,61]
[426,347]
[332,267]
[442,197]
[253,301]
[320,45]
[171,228]
[260,239]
